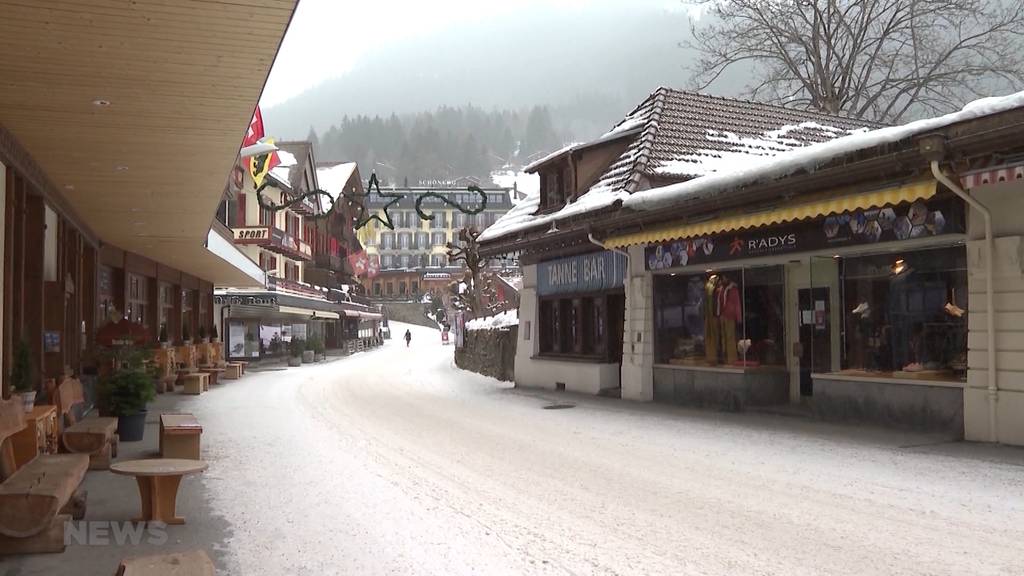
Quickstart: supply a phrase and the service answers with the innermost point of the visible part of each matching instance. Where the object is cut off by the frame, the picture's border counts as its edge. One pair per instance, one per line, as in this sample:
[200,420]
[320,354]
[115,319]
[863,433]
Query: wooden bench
[213,372]
[38,500]
[191,563]
[179,436]
[96,437]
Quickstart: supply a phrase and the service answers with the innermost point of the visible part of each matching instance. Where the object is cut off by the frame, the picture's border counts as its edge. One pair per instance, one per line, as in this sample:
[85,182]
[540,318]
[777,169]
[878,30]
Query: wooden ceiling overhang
[135,111]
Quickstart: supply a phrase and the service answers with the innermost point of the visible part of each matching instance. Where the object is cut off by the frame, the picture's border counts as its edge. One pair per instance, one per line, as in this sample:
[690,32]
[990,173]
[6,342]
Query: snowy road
[395,462]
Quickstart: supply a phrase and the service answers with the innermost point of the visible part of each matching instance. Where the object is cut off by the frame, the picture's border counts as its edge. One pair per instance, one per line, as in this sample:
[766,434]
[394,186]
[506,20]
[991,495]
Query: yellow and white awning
[824,207]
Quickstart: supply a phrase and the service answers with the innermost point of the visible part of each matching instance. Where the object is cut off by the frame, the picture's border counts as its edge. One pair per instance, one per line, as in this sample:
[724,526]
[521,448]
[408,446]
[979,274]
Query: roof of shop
[723,176]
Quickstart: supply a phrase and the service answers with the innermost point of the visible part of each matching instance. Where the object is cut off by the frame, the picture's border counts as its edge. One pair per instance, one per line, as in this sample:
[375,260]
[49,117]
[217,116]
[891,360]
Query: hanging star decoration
[393,198]
[358,202]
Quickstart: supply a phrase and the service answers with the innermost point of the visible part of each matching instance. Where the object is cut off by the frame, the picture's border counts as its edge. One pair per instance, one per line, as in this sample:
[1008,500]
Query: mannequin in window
[729,312]
[712,334]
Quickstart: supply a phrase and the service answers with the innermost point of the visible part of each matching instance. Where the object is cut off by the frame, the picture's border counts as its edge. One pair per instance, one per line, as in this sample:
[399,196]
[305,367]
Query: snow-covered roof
[333,179]
[522,181]
[737,160]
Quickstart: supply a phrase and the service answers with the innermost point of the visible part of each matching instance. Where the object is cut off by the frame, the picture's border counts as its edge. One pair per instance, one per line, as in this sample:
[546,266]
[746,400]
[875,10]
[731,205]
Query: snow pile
[727,173]
[333,179]
[503,320]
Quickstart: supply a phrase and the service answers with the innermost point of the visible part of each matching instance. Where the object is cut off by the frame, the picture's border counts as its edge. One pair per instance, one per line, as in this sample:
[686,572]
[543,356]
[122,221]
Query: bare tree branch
[882,60]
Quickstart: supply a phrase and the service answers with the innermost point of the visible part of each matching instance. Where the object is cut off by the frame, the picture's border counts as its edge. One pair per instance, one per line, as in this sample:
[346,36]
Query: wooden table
[158,480]
[39,436]
[194,382]
[213,372]
[179,436]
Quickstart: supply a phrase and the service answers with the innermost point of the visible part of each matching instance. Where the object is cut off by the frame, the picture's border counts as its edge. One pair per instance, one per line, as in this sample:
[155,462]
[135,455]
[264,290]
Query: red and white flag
[255,131]
[373,267]
[360,262]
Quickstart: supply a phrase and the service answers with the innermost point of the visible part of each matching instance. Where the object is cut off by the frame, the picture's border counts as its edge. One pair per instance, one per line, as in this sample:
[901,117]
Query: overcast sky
[327,37]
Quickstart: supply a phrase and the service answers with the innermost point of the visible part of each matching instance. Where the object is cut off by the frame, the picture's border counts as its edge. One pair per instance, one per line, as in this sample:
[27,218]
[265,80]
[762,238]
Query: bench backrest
[69,394]
[12,420]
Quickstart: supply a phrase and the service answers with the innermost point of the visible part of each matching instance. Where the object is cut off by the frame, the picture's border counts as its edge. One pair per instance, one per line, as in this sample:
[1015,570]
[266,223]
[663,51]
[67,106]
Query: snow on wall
[503,320]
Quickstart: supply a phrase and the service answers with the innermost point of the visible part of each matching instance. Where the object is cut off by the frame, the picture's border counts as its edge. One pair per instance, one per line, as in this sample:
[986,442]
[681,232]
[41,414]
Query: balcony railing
[273,239]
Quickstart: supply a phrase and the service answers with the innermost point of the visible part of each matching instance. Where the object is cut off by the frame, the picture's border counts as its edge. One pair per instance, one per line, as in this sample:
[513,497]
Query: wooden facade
[60,284]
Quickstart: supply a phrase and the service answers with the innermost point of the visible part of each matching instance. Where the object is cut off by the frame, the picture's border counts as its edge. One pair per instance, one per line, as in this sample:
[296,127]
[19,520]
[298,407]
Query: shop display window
[720,318]
[905,315]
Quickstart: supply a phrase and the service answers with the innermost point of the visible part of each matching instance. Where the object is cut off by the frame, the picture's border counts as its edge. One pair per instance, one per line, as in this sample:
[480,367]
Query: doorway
[815,334]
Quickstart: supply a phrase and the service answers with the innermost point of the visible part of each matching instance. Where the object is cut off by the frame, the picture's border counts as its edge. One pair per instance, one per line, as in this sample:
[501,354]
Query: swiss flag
[373,267]
[255,131]
[360,262]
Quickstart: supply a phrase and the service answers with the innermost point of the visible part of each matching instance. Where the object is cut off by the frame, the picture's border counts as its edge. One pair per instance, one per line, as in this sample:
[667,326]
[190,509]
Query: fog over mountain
[589,65]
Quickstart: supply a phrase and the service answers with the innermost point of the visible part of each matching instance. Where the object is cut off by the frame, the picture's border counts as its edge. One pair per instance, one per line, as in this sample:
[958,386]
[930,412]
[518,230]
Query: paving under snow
[395,462]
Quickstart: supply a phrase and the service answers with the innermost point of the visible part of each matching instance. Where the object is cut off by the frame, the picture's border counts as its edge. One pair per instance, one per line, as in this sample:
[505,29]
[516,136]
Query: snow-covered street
[396,462]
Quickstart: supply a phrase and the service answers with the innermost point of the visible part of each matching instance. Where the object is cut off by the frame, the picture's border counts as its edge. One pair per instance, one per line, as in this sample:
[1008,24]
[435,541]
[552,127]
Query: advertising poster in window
[908,220]
[236,340]
[299,331]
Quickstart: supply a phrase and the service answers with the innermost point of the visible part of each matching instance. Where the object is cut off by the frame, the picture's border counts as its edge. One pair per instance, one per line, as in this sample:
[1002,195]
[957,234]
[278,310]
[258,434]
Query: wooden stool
[179,436]
[195,383]
[232,371]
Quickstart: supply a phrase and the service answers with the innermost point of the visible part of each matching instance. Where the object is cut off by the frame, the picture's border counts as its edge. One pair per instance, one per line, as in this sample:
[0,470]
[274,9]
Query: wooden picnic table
[158,480]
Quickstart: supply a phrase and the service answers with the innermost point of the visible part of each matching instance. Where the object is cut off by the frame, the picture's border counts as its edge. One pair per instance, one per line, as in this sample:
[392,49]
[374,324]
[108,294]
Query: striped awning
[835,205]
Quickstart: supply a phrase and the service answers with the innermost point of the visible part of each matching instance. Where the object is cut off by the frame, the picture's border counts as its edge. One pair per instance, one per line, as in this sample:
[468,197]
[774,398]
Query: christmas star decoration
[393,199]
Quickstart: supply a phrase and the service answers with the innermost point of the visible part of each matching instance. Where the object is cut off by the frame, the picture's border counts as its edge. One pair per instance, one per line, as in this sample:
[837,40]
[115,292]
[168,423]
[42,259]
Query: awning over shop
[307,312]
[835,205]
[362,315]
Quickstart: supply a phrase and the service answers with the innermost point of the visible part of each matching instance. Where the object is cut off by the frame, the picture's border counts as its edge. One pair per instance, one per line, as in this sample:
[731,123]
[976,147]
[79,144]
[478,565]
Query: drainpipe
[993,383]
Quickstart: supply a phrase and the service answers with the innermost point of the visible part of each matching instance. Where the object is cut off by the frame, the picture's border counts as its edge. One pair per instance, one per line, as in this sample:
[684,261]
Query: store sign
[251,234]
[581,274]
[910,220]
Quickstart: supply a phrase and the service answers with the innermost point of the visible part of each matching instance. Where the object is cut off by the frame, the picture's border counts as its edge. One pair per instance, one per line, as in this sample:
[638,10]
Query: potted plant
[319,349]
[125,392]
[164,341]
[22,376]
[186,335]
[309,352]
[295,349]
[202,335]
[250,344]
[214,336]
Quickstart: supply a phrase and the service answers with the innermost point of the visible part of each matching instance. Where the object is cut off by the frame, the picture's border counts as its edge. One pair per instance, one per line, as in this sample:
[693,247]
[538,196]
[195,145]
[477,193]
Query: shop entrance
[814,320]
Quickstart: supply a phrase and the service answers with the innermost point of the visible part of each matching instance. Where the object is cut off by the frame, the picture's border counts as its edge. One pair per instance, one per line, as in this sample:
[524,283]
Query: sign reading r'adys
[581,274]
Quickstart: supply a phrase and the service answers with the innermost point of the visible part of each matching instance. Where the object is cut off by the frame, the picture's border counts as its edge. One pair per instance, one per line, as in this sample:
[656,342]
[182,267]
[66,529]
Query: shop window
[578,326]
[376,288]
[401,288]
[138,299]
[187,303]
[904,315]
[390,288]
[415,287]
[166,297]
[733,318]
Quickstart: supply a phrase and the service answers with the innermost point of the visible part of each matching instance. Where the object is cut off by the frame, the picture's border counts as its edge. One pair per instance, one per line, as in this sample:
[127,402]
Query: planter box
[307,357]
[295,360]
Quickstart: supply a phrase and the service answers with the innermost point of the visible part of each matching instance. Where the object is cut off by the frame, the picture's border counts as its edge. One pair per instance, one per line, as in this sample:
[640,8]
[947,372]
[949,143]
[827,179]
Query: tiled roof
[687,134]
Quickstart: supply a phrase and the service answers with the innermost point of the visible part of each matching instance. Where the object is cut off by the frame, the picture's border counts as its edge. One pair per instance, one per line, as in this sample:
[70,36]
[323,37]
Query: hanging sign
[580,274]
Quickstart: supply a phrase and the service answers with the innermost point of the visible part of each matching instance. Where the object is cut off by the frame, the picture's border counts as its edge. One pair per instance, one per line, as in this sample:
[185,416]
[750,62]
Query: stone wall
[409,313]
[489,352]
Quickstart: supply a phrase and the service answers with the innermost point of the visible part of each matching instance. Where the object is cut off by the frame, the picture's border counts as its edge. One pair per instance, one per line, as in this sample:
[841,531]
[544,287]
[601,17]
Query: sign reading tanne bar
[581,274]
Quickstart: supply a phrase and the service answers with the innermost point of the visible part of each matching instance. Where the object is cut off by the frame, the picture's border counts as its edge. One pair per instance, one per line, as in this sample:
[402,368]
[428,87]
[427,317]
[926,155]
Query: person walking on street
[408,338]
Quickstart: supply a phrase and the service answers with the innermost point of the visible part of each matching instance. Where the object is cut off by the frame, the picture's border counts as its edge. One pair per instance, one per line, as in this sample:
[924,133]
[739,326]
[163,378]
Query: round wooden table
[158,480]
